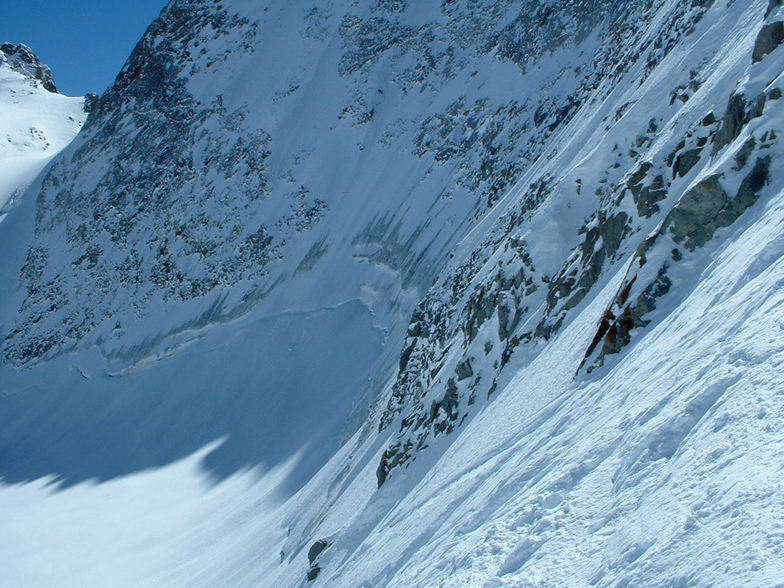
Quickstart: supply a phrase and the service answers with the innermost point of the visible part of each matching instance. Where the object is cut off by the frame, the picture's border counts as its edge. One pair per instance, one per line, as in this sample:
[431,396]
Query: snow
[617,478]
[34,127]
[141,530]
[284,396]
[614,478]
[256,437]
[221,456]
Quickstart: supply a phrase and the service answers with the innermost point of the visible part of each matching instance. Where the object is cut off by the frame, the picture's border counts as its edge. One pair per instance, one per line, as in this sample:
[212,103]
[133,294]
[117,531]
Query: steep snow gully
[467,293]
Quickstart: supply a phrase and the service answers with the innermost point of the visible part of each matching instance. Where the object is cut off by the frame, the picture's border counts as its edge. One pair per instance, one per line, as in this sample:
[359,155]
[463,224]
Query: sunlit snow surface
[152,529]
[664,467]
[35,125]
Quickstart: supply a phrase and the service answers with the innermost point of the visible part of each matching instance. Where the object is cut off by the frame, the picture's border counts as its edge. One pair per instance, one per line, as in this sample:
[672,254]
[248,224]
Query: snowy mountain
[37,122]
[470,293]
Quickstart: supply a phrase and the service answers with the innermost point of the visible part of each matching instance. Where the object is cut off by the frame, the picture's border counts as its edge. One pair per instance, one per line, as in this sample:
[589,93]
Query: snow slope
[36,124]
[569,378]
[666,471]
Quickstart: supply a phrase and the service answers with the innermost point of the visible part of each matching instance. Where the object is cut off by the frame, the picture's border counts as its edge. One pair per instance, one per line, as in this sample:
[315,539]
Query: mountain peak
[23,60]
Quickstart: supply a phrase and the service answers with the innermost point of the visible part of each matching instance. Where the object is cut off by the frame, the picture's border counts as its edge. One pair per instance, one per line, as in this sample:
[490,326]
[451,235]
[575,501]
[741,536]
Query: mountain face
[212,189]
[469,293]
[37,122]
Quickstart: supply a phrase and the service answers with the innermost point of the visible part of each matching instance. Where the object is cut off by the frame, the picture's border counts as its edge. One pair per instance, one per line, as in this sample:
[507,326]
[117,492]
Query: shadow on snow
[278,385]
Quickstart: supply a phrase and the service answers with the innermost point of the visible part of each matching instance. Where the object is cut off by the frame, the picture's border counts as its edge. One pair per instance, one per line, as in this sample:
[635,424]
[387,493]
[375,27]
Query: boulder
[317,549]
[689,221]
[770,37]
[464,370]
[731,124]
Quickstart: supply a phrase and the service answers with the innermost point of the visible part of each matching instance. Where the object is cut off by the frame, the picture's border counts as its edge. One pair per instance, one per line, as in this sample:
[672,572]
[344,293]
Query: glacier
[374,294]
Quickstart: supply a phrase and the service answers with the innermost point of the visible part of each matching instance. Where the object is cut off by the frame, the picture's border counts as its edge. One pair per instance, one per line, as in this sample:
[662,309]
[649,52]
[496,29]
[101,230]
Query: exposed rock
[750,187]
[405,355]
[648,196]
[772,5]
[313,572]
[316,549]
[731,124]
[685,162]
[391,6]
[770,37]
[693,221]
[22,59]
[742,157]
[706,208]
[623,315]
[690,220]
[167,227]
[313,554]
[394,455]
[91,102]
[759,106]
[463,370]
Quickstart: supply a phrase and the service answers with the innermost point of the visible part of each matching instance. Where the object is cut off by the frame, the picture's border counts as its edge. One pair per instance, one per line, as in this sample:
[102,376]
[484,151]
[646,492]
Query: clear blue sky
[85,42]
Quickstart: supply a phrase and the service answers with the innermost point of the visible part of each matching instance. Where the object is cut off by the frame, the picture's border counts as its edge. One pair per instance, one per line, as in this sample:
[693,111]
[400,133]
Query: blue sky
[85,42]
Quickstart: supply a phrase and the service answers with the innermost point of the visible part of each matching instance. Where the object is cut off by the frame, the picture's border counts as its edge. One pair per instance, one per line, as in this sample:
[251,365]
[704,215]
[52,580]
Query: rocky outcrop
[201,202]
[314,553]
[692,223]
[693,220]
[91,101]
[133,227]
[707,208]
[770,37]
[731,123]
[22,59]
[501,310]
[176,216]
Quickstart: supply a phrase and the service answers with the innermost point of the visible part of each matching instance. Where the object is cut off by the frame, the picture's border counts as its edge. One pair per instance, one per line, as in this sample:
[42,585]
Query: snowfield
[35,126]
[367,364]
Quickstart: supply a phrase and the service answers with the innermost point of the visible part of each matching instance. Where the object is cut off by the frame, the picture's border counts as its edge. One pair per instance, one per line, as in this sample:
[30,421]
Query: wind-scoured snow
[456,294]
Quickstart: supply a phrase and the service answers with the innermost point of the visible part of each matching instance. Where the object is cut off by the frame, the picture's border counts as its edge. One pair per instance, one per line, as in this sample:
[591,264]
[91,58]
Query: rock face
[532,201]
[22,59]
[692,220]
[528,307]
[314,553]
[731,124]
